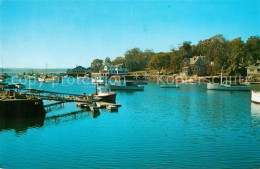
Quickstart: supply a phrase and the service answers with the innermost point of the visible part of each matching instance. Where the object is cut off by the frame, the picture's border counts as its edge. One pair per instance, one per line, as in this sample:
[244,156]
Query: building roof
[194,59]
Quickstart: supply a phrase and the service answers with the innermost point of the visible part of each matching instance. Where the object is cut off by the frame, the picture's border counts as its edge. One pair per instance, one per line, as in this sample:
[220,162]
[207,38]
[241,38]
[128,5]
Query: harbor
[136,126]
[129,84]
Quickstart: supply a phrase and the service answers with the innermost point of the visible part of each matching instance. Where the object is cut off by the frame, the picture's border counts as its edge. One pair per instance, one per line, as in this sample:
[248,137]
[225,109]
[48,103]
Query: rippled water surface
[188,127]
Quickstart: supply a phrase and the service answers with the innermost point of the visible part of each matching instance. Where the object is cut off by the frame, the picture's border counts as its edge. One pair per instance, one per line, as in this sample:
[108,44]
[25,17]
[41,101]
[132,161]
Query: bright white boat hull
[227,87]
[255,97]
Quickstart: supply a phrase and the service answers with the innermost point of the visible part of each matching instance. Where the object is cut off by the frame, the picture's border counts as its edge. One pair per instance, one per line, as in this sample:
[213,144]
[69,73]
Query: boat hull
[255,97]
[227,88]
[111,98]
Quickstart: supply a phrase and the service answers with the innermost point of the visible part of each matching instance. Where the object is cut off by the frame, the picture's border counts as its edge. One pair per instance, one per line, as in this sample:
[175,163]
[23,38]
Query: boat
[99,80]
[255,96]
[125,85]
[20,86]
[105,95]
[227,86]
[112,108]
[169,86]
[50,79]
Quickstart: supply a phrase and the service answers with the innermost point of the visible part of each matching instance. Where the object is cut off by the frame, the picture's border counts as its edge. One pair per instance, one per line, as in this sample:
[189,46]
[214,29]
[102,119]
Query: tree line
[234,56]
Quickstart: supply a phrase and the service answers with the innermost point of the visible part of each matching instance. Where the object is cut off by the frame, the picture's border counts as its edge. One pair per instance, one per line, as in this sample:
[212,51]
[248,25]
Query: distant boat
[169,86]
[49,79]
[228,87]
[98,80]
[255,96]
[122,85]
[93,107]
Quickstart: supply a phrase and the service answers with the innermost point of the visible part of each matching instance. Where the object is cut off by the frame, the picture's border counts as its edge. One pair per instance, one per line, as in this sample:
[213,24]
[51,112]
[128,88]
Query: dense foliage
[234,56]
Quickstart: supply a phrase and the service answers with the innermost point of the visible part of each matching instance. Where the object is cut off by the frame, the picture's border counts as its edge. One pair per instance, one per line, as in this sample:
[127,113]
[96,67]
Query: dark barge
[18,105]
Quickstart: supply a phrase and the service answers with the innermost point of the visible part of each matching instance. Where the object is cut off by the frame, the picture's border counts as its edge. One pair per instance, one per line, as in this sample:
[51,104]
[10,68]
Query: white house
[110,70]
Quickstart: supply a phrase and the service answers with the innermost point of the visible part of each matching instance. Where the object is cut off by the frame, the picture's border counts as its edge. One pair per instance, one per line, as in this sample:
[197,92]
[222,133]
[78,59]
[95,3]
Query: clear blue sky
[69,33]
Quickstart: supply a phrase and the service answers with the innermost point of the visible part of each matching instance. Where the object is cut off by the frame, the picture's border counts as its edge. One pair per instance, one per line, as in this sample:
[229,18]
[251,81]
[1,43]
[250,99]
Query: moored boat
[50,79]
[106,95]
[126,85]
[227,87]
[255,96]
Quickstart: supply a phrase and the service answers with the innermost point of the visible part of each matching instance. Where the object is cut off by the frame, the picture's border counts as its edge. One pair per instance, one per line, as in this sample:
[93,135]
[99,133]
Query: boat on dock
[126,85]
[255,96]
[105,95]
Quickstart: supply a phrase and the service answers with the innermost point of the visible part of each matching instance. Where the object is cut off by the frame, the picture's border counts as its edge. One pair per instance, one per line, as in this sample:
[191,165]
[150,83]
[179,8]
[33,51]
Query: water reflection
[20,125]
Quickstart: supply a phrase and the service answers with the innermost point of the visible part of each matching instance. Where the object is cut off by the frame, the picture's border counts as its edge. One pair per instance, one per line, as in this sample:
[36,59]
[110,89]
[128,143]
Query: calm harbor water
[188,127]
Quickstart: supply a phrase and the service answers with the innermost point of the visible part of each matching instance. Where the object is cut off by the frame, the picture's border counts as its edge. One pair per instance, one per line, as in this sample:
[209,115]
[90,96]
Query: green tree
[134,59]
[107,60]
[118,60]
[216,49]
[236,55]
[252,49]
[160,61]
[97,65]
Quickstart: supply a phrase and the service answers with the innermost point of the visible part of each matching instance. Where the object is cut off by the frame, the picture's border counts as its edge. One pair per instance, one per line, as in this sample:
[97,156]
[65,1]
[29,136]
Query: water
[188,127]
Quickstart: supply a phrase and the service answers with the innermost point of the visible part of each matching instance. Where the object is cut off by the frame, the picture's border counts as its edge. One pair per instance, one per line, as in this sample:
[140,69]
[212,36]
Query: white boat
[124,85]
[227,86]
[98,80]
[169,86]
[47,79]
[255,96]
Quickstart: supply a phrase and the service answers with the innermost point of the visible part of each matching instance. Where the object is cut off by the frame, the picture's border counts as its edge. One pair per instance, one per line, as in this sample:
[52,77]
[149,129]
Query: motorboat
[125,85]
[105,95]
[227,86]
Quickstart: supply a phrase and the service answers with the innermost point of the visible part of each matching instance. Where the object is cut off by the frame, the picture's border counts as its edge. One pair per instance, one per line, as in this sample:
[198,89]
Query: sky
[67,33]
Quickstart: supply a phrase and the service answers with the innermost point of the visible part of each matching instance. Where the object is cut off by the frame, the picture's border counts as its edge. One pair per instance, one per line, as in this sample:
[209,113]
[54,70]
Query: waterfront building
[194,66]
[254,71]
[110,70]
[79,71]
